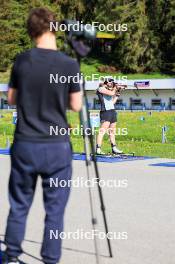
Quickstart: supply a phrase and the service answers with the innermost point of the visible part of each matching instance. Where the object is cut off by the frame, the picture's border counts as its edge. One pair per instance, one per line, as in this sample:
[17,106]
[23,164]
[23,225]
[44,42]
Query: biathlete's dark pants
[51,161]
[108,115]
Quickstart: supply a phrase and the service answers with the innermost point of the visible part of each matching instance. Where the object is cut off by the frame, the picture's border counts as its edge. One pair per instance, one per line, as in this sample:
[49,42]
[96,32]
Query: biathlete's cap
[109,79]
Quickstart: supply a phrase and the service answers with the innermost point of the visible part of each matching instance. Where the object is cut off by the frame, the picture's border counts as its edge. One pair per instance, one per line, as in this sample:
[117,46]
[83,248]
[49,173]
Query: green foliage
[71,9]
[137,49]
[168,35]
[147,46]
[13,34]
[149,43]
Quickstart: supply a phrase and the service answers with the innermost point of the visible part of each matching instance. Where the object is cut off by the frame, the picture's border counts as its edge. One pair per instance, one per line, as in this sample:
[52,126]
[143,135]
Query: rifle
[118,87]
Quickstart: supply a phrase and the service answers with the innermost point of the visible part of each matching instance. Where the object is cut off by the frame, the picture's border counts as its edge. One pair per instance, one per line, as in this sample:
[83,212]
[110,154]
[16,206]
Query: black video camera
[77,34]
[77,29]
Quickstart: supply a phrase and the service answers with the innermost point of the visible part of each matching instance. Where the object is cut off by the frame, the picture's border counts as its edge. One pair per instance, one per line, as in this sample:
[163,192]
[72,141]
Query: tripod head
[78,36]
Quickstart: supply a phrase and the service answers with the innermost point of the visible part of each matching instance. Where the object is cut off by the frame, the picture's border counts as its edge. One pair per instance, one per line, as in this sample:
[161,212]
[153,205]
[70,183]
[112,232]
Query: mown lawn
[143,137]
[90,66]
[6,127]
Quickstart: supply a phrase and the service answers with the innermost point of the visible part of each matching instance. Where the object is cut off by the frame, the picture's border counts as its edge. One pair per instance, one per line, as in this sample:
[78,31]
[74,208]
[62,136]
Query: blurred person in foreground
[35,150]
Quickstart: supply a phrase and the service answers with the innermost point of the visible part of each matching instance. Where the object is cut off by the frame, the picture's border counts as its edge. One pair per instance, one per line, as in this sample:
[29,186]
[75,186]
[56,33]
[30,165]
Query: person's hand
[117,93]
[119,88]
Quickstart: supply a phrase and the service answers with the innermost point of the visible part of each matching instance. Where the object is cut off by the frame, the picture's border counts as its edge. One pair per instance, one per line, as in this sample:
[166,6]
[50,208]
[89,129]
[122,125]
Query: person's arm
[13,85]
[75,101]
[115,98]
[75,95]
[105,91]
[12,96]
[117,93]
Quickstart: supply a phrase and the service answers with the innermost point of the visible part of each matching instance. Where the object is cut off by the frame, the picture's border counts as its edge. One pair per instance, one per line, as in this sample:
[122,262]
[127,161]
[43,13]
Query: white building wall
[145,95]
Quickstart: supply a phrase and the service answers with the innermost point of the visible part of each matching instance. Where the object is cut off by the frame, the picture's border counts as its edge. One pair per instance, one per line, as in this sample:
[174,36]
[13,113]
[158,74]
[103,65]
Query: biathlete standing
[108,96]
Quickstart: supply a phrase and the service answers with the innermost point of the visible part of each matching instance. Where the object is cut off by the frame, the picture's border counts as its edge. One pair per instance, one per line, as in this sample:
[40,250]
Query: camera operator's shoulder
[66,59]
[23,55]
[20,58]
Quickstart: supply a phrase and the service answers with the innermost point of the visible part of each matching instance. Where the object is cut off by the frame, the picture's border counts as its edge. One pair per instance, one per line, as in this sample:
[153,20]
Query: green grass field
[143,138]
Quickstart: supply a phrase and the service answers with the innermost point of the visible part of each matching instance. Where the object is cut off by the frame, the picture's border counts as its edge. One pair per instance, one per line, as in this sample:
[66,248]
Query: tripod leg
[101,196]
[94,220]
[89,139]
[88,165]
[86,124]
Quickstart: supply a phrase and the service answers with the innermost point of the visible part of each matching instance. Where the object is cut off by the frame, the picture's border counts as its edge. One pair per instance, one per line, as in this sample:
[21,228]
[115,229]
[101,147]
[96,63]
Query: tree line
[148,45]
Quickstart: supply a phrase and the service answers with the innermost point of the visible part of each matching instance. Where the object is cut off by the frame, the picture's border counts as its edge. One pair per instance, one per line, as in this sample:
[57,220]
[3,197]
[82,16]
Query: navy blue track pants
[50,161]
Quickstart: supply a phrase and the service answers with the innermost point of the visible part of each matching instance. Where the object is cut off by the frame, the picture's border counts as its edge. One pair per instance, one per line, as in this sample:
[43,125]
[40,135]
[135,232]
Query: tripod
[82,50]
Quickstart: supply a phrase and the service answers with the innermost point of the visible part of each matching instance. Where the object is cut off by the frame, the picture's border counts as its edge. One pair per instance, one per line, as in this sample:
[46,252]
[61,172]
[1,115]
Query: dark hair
[38,21]
[108,80]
